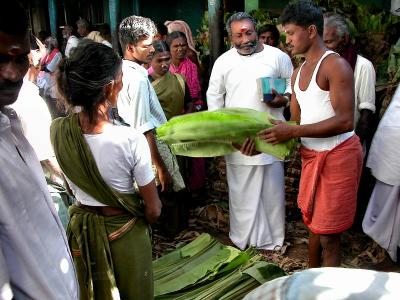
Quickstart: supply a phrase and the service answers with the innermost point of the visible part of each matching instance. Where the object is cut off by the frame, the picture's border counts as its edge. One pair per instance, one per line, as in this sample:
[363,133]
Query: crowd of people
[86,118]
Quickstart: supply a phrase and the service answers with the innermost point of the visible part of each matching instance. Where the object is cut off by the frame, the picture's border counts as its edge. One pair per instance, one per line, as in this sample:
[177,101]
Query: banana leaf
[210,270]
[213,133]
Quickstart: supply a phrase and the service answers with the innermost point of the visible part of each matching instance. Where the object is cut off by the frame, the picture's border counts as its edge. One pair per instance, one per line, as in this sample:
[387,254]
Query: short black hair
[43,35]
[13,18]
[303,13]
[162,29]
[274,31]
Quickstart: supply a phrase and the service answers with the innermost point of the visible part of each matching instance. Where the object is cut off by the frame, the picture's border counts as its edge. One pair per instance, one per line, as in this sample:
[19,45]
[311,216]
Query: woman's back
[122,157]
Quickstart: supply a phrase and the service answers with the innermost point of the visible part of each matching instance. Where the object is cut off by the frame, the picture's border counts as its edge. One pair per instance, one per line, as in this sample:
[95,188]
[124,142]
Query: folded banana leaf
[206,269]
[213,133]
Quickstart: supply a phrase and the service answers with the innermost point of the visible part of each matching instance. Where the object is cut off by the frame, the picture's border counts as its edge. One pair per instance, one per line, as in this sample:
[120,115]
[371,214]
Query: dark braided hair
[160,46]
[83,76]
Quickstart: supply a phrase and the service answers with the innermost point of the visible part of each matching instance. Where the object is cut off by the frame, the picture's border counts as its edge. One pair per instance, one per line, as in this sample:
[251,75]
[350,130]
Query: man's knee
[330,242]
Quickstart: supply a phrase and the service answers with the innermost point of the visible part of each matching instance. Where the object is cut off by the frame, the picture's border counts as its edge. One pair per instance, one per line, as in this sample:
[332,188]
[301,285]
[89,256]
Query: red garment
[48,57]
[328,186]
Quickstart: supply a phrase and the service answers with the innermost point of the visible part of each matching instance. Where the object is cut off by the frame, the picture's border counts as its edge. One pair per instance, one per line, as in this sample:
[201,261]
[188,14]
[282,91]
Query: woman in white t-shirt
[108,232]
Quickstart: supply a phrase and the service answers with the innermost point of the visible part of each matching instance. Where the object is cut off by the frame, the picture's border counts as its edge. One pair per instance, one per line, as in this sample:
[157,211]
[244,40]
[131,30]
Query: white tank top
[315,105]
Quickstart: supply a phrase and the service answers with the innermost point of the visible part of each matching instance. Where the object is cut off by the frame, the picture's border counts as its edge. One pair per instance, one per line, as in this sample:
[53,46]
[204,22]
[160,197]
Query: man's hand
[278,101]
[165,178]
[281,132]
[247,148]
[362,125]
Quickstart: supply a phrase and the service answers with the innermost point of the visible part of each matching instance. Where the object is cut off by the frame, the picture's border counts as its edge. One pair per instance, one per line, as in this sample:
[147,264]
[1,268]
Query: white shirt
[35,118]
[233,84]
[364,86]
[34,255]
[122,156]
[384,159]
[138,104]
[71,43]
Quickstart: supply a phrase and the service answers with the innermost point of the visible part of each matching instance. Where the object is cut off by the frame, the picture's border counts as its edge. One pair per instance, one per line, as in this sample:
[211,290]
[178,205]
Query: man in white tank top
[322,104]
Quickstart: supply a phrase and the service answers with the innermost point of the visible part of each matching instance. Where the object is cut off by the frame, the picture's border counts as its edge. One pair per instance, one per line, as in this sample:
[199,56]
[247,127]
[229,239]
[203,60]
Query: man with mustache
[35,262]
[256,183]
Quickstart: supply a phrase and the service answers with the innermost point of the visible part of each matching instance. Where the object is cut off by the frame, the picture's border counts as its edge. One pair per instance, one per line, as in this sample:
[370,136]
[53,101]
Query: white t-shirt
[233,83]
[122,156]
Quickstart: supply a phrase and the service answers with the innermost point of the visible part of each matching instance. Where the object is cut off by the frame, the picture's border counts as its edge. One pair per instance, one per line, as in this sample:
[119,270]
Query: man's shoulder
[132,70]
[363,62]
[73,38]
[227,56]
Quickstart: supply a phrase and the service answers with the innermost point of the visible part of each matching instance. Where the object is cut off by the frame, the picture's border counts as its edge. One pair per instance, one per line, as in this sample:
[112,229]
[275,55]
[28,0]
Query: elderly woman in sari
[171,88]
[109,228]
[181,64]
[182,26]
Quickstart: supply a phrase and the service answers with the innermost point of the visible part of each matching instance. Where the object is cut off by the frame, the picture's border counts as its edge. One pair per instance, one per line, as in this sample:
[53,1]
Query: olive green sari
[112,255]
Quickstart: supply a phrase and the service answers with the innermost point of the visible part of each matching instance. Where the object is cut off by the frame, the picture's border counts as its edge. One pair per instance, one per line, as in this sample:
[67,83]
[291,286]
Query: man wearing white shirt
[382,218]
[138,104]
[35,261]
[256,183]
[337,38]
[72,40]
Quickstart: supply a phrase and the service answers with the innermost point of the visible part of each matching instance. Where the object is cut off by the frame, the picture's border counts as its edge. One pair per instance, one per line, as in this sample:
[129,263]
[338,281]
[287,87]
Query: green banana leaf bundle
[213,133]
[206,269]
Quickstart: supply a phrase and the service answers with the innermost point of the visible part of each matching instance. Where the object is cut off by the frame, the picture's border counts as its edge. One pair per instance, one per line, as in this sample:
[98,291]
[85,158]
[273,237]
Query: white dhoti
[257,205]
[382,218]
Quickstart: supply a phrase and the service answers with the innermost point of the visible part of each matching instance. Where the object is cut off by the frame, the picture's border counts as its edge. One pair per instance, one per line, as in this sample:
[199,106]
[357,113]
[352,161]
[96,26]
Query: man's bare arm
[340,82]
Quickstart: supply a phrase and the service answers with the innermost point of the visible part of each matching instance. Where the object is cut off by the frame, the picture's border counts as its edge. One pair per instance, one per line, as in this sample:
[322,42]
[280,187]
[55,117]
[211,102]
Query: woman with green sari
[171,88]
[109,231]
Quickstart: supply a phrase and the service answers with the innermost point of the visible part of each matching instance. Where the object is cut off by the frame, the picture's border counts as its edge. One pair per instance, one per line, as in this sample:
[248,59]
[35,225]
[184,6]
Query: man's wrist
[287,98]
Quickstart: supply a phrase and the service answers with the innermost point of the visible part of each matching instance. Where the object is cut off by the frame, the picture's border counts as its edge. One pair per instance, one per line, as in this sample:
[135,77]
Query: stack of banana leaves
[206,269]
[213,133]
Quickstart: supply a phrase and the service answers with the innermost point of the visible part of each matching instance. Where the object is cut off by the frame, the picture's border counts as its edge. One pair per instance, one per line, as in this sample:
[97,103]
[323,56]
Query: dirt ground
[210,214]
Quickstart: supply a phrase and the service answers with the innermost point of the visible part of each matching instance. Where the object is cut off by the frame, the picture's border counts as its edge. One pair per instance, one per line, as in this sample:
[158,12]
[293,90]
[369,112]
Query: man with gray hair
[138,104]
[83,27]
[256,183]
[337,38]
[70,39]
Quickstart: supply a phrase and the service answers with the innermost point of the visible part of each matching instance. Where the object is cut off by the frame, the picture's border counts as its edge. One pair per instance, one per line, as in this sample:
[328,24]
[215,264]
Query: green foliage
[370,29]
